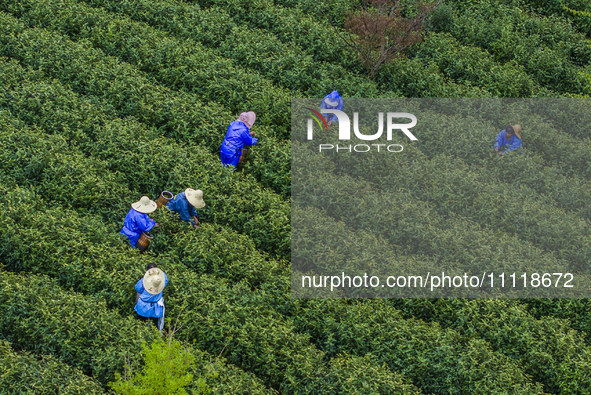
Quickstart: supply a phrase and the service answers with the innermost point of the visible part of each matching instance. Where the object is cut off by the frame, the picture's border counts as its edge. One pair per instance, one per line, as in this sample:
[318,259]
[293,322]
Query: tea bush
[92,260]
[286,64]
[80,331]
[128,92]
[23,372]
[60,111]
[545,46]
[180,64]
[412,224]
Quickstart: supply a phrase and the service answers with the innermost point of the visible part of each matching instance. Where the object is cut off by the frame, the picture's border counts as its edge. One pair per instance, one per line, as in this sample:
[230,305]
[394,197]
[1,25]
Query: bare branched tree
[380,31]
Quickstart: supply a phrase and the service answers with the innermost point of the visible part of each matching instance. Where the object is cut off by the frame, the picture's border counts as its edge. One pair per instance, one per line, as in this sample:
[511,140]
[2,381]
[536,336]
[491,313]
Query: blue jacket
[147,304]
[135,223]
[237,136]
[181,205]
[333,96]
[511,145]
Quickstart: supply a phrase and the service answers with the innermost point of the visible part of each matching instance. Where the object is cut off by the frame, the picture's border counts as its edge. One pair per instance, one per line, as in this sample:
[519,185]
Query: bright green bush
[164,371]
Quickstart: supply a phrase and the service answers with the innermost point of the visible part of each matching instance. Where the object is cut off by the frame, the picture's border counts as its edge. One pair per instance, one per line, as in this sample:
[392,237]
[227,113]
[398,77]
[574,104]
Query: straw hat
[144,205]
[517,130]
[154,281]
[195,197]
[331,103]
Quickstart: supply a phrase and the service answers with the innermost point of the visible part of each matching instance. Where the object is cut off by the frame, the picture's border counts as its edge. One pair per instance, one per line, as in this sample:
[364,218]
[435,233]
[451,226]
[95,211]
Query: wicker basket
[164,198]
[143,242]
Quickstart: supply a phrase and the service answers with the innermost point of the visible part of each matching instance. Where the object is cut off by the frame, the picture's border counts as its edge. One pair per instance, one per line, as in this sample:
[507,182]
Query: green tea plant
[130,93]
[286,64]
[164,371]
[23,372]
[129,153]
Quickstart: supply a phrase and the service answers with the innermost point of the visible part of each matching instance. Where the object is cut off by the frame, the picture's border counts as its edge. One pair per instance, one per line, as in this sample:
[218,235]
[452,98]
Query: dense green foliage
[23,372]
[102,102]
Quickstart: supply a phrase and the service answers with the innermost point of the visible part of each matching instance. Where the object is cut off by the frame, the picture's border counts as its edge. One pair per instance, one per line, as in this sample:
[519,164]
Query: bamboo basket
[143,242]
[164,198]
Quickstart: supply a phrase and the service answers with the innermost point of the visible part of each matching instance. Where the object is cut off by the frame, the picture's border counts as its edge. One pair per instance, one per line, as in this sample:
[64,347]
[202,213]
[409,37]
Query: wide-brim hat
[154,281]
[195,197]
[517,130]
[145,205]
[331,103]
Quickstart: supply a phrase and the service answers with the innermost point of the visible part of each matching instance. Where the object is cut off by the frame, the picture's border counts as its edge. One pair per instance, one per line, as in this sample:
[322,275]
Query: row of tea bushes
[80,331]
[548,47]
[409,223]
[60,172]
[507,327]
[579,12]
[286,64]
[180,64]
[128,148]
[558,170]
[289,25]
[453,187]
[467,64]
[23,372]
[127,92]
[83,255]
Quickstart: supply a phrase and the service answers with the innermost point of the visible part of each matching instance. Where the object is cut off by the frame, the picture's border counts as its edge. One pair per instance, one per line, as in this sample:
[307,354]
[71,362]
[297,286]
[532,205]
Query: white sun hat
[195,197]
[331,103]
[154,281]
[145,205]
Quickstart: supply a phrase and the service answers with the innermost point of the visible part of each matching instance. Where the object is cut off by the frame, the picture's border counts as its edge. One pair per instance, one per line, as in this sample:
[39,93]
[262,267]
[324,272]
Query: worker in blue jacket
[149,301]
[186,205]
[509,137]
[238,136]
[334,102]
[137,220]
